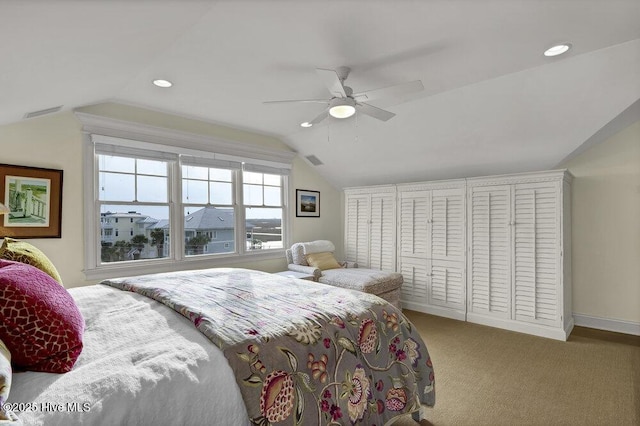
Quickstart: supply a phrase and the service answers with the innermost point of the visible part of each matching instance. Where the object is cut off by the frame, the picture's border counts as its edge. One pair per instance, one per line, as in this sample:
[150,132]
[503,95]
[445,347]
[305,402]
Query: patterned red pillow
[39,320]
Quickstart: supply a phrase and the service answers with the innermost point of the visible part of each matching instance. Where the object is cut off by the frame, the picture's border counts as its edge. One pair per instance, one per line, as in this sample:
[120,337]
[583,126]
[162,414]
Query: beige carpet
[489,376]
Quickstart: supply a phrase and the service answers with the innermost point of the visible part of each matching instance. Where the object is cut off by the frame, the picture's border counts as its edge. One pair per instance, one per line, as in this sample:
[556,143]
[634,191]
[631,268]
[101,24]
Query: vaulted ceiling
[492,102]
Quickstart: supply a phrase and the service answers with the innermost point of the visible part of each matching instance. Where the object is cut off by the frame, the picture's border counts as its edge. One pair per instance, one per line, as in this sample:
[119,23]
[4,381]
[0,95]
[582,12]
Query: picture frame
[307,203]
[34,198]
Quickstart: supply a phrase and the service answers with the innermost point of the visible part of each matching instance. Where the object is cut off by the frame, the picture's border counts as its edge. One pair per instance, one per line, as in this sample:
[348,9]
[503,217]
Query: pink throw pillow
[39,320]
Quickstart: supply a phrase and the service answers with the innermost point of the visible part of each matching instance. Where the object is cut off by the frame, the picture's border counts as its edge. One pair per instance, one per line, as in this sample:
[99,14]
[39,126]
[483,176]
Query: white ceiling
[492,102]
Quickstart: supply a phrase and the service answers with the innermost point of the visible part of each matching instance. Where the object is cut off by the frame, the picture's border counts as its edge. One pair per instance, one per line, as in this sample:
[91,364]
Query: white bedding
[146,364]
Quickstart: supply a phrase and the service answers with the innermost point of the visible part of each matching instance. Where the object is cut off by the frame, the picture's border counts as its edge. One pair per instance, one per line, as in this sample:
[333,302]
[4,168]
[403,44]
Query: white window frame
[136,136]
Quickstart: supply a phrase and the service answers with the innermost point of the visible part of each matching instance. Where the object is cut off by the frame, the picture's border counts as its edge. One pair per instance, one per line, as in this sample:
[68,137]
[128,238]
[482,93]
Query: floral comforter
[302,352]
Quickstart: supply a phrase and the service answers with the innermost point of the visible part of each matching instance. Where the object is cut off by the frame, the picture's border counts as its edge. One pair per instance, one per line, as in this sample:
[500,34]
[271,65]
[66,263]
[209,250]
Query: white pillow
[318,246]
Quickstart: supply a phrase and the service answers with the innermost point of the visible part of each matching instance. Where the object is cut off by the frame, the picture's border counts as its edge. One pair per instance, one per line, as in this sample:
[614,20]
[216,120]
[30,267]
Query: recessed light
[306,124]
[558,49]
[162,83]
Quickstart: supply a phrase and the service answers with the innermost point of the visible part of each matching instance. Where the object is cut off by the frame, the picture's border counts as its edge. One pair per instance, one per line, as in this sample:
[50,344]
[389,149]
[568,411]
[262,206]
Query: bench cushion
[366,280]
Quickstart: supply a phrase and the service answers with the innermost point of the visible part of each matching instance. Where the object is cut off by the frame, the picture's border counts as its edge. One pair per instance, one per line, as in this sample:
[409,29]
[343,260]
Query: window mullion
[95,240]
[97,219]
[177,212]
[208,186]
[135,181]
[285,224]
[239,207]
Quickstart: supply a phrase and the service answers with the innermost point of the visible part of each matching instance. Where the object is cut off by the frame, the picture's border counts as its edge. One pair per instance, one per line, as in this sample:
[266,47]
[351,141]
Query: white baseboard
[549,332]
[618,326]
[434,310]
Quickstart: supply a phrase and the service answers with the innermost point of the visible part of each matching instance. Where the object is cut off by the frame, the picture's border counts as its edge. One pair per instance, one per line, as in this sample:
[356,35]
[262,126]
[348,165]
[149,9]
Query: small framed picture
[33,197]
[307,203]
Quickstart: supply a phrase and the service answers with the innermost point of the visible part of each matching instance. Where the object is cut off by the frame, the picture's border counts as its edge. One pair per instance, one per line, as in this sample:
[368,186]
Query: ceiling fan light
[342,111]
[342,108]
[306,124]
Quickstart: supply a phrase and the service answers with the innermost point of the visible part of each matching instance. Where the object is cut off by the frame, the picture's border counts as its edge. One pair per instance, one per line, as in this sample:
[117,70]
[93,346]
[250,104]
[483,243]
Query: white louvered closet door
[447,224]
[490,250]
[357,232]
[413,240]
[415,283]
[382,245]
[447,248]
[537,253]
[414,230]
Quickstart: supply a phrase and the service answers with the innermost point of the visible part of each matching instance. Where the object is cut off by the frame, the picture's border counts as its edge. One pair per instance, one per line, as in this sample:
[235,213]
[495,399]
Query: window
[135,189]
[223,206]
[209,207]
[263,210]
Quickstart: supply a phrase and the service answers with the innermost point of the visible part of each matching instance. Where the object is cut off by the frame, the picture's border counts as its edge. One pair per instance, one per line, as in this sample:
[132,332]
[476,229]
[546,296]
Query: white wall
[55,142]
[329,225]
[606,228]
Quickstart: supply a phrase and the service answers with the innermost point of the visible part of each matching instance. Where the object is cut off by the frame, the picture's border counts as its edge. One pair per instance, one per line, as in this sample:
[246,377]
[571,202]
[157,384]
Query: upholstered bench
[316,258]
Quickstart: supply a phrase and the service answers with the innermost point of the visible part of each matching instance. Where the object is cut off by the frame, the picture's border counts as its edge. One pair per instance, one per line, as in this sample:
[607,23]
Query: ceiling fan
[344,102]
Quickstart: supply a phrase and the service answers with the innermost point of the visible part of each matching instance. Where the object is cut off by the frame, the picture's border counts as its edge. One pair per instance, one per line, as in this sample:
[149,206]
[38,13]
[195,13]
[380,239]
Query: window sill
[143,267]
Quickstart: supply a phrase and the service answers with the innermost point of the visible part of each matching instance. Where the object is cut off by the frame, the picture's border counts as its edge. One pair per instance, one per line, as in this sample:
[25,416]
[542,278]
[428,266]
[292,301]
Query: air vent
[314,160]
[43,112]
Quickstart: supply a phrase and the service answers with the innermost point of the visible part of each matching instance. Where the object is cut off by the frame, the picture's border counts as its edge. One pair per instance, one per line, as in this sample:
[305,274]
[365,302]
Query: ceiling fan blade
[324,114]
[389,92]
[331,79]
[320,101]
[374,112]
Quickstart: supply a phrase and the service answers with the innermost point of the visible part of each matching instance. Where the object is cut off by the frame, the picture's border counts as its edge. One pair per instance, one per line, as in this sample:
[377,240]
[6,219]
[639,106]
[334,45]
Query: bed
[231,346]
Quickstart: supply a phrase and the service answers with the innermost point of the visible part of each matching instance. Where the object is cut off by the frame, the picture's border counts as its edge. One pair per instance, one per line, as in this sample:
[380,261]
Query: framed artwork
[34,198]
[307,203]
